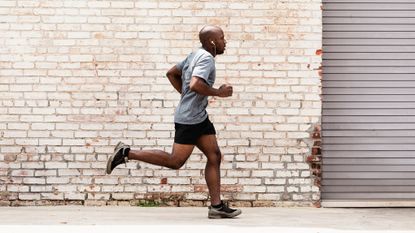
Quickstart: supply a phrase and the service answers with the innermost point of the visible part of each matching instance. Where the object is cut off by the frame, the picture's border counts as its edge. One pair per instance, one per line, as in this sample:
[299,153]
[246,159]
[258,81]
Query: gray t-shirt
[192,107]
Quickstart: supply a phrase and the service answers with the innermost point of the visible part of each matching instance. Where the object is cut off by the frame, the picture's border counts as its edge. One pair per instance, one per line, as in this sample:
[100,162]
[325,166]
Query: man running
[193,78]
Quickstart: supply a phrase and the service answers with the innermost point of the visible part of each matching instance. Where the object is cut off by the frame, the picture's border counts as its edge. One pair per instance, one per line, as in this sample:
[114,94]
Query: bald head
[209,32]
[212,39]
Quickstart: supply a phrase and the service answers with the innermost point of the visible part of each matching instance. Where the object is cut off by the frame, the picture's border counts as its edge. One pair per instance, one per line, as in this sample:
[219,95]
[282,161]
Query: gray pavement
[192,219]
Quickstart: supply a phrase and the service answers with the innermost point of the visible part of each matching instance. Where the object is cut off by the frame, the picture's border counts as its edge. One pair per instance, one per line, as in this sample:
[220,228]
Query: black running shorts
[189,134]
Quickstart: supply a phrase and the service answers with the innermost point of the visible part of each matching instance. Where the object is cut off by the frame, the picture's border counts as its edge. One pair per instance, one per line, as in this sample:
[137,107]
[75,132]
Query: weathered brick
[74,196]
[57,180]
[23,173]
[18,188]
[122,196]
[263,173]
[29,196]
[34,180]
[254,189]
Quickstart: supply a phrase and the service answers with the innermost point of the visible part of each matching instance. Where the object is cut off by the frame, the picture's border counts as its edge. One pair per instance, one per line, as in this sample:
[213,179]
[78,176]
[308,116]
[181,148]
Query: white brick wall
[78,76]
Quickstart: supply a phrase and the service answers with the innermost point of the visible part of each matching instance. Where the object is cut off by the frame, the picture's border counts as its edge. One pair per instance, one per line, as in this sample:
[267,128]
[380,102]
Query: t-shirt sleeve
[181,64]
[204,67]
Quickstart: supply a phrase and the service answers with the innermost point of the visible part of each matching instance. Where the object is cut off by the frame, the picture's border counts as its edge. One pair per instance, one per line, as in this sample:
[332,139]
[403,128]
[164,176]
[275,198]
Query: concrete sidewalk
[185,219]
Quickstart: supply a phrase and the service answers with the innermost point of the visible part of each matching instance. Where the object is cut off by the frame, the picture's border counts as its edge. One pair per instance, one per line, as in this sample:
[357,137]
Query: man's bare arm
[175,77]
[200,87]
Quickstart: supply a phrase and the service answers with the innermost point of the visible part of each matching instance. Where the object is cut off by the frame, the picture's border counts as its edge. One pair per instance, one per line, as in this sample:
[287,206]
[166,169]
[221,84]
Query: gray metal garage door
[368,103]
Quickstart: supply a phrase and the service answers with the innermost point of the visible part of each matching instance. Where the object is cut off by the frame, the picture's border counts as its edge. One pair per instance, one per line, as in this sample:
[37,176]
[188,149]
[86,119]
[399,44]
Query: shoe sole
[111,158]
[119,144]
[109,162]
[218,216]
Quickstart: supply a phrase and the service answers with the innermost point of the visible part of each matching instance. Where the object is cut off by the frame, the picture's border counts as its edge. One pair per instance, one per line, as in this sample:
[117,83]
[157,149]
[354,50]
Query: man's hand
[225,90]
[175,77]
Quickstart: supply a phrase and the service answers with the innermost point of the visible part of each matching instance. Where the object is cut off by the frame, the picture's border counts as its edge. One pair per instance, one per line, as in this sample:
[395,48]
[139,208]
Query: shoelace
[225,208]
[125,156]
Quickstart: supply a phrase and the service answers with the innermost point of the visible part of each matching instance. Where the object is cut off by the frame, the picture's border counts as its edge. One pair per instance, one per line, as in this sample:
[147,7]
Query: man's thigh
[182,152]
[208,144]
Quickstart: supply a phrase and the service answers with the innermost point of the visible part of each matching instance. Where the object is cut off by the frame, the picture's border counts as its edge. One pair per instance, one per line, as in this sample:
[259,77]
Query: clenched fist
[225,90]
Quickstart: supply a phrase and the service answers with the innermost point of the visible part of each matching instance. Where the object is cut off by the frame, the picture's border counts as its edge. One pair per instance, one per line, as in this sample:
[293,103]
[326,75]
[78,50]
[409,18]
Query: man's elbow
[193,87]
[174,73]
[193,84]
[168,74]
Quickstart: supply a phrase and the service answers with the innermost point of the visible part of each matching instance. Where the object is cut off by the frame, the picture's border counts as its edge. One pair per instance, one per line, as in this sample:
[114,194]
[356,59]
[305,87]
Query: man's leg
[209,146]
[175,160]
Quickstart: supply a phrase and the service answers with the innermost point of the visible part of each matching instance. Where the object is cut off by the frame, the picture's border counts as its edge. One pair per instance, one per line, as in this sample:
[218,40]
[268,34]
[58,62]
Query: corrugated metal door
[368,103]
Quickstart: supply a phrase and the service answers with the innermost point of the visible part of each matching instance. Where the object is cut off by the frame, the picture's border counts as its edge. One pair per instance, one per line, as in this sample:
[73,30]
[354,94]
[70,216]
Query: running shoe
[223,211]
[120,156]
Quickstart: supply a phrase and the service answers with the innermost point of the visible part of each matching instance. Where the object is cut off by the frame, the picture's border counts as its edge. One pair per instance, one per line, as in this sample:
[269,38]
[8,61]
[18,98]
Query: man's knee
[176,164]
[215,157]
[218,155]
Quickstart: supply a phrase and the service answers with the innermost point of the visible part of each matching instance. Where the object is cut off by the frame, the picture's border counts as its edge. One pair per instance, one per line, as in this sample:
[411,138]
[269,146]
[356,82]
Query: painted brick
[74,196]
[29,196]
[57,180]
[123,196]
[254,189]
[18,188]
[34,180]
[263,173]
[27,173]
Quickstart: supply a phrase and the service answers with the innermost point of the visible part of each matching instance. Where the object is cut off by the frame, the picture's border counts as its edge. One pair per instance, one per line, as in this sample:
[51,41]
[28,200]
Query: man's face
[220,42]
